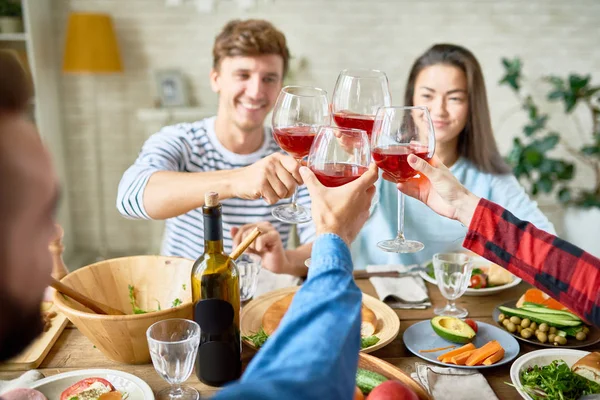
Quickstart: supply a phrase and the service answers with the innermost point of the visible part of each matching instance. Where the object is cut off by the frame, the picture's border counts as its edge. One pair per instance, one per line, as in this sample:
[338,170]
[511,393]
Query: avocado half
[453,329]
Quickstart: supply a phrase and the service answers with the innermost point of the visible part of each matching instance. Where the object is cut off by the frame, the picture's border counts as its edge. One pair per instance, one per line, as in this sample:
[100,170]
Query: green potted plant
[534,156]
[11,16]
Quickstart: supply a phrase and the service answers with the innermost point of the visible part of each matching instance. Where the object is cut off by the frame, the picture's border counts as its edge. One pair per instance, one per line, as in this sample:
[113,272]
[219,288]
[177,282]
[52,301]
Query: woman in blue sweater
[448,80]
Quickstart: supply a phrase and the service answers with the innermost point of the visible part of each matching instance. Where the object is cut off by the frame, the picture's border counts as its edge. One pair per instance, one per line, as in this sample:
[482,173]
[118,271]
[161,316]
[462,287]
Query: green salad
[556,381]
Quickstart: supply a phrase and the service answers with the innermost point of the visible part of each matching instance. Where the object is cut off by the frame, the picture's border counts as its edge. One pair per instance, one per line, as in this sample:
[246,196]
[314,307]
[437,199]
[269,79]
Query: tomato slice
[82,385]
[472,324]
[478,282]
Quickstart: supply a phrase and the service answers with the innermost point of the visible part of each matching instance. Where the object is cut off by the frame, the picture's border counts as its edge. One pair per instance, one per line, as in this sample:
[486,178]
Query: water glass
[453,274]
[248,266]
[173,345]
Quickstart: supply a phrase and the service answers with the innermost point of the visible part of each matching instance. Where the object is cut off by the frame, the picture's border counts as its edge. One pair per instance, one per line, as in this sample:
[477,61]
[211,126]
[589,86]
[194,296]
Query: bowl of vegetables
[146,288]
[546,374]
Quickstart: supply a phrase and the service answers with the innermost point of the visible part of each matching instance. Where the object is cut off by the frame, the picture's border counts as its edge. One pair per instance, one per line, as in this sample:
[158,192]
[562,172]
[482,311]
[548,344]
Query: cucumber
[546,310]
[368,380]
[536,316]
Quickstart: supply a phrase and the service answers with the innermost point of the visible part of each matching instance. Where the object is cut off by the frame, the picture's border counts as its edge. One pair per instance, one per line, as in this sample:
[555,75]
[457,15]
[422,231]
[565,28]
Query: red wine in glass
[394,160]
[296,140]
[346,119]
[338,174]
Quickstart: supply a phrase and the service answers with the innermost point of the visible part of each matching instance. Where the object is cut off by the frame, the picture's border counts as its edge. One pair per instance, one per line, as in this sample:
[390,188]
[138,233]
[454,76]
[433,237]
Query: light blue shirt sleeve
[314,352]
[508,192]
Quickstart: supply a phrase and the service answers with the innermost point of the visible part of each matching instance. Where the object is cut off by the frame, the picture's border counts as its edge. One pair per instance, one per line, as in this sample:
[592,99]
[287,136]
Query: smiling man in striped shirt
[231,153]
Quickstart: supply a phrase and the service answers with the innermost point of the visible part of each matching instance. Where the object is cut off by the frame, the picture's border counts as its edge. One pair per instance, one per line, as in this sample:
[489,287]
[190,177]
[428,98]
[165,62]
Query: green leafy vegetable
[477,271]
[176,302]
[368,341]
[133,301]
[258,339]
[556,381]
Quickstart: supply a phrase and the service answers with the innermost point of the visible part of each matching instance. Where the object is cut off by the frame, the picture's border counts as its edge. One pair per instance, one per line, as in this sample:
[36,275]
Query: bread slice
[277,310]
[588,367]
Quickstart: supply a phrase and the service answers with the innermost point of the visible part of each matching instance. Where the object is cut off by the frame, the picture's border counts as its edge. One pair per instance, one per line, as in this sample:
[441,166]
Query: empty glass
[173,345]
[248,266]
[453,274]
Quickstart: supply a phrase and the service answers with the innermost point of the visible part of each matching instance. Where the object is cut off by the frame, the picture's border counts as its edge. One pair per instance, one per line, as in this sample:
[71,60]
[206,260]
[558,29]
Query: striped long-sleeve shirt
[560,269]
[194,147]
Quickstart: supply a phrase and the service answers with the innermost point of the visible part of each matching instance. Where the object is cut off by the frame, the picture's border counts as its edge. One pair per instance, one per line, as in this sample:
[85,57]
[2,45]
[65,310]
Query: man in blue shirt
[314,352]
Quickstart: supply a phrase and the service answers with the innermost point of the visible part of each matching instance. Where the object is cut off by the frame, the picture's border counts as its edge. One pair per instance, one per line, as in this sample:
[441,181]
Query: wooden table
[73,351]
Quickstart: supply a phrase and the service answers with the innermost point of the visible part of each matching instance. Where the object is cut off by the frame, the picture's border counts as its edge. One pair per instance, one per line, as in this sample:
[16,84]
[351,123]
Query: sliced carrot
[461,359]
[452,353]
[437,349]
[494,358]
[483,352]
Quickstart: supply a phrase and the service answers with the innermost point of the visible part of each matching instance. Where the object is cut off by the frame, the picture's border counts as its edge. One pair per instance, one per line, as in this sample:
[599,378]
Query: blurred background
[158,54]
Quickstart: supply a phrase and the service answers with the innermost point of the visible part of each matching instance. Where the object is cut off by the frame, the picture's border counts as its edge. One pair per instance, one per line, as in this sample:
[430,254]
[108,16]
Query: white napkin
[453,383]
[22,381]
[268,281]
[408,292]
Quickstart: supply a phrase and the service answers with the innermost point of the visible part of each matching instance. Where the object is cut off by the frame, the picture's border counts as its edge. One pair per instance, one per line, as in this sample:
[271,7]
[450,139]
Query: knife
[363,274]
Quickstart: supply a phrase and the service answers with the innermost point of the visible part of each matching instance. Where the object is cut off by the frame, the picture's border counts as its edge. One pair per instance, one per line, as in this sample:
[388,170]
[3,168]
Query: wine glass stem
[176,391]
[400,236]
[452,304]
[295,195]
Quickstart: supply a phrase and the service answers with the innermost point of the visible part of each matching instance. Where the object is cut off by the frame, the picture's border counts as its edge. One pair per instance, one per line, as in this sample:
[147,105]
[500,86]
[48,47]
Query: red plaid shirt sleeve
[560,269]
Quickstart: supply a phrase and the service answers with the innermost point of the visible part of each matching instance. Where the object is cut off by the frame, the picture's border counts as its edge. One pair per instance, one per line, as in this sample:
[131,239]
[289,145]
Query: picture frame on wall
[171,88]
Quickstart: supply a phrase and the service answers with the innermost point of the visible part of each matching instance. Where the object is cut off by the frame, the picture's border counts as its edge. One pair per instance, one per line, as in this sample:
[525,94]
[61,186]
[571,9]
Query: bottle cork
[211,199]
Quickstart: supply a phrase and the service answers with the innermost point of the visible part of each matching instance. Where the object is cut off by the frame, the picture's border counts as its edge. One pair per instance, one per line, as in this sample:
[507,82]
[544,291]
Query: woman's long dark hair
[476,142]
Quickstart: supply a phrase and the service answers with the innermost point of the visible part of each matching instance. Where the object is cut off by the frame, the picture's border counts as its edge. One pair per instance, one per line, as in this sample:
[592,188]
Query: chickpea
[542,337]
[505,322]
[553,330]
[501,317]
[586,330]
[525,323]
[511,327]
[533,326]
[515,320]
[580,335]
[544,327]
[551,337]
[526,333]
[560,340]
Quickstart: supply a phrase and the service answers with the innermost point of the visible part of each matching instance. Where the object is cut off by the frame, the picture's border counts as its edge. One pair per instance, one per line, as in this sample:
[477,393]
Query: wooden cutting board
[33,355]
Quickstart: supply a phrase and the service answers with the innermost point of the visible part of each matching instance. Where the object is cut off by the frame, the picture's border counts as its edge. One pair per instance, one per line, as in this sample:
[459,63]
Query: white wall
[551,36]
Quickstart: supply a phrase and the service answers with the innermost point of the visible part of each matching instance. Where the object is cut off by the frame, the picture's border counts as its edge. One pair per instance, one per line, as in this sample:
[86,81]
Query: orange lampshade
[91,45]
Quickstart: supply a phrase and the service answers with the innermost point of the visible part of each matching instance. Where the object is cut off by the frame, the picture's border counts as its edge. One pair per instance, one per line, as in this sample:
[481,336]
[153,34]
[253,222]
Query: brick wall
[551,36]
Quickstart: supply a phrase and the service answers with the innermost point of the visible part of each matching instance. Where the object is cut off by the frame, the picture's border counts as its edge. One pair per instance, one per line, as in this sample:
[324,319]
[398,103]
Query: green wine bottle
[216,296]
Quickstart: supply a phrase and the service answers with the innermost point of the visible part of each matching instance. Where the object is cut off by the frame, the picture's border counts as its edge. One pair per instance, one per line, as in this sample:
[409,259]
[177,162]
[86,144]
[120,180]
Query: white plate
[54,385]
[541,358]
[474,292]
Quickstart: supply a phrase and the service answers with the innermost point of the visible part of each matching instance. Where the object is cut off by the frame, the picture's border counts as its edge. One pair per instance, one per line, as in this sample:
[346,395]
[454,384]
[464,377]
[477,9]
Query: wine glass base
[291,214]
[449,311]
[178,393]
[400,246]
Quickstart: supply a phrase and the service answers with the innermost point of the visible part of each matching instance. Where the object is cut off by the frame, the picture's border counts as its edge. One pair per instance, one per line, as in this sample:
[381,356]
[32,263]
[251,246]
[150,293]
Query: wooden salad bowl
[374,364]
[156,280]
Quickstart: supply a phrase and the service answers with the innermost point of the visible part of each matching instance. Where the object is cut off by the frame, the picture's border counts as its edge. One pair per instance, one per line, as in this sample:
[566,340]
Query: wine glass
[297,116]
[339,155]
[397,133]
[357,95]
[453,274]
[173,345]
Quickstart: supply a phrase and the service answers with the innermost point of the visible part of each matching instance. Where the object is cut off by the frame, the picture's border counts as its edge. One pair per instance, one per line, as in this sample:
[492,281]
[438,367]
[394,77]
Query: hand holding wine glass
[397,133]
[297,116]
